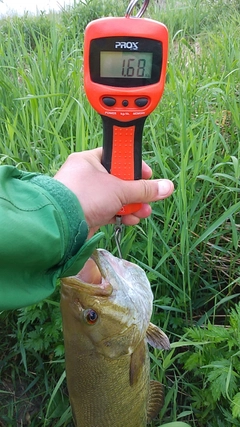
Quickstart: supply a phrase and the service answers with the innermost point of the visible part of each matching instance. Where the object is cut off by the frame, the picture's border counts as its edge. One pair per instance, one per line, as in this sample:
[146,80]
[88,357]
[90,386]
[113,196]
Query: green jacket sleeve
[43,236]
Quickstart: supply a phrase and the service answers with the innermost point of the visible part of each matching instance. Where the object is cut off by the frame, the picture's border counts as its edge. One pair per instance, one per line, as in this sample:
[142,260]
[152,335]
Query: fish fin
[156,399]
[157,338]
[137,362]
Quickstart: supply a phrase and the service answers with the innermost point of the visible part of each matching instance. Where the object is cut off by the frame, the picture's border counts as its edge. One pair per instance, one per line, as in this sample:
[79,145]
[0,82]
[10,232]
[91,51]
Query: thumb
[146,191]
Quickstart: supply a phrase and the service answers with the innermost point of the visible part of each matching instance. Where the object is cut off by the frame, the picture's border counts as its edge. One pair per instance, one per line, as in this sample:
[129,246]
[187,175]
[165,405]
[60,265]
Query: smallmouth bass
[106,325]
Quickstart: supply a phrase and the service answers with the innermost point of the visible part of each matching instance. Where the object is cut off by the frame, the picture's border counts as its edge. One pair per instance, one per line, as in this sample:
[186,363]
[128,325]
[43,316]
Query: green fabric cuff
[79,249]
[66,199]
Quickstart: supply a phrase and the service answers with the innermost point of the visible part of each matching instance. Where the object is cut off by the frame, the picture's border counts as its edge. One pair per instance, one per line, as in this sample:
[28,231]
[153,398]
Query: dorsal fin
[157,338]
[156,399]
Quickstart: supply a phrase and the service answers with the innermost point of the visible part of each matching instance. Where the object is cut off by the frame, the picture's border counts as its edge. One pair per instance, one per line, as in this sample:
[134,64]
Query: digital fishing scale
[125,62]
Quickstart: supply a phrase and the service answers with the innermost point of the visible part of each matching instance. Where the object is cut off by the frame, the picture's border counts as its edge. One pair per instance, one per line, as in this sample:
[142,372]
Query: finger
[134,218]
[144,191]
[144,211]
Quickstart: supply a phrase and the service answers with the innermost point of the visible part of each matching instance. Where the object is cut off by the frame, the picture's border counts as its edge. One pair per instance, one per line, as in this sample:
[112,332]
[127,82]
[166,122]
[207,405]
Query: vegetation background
[190,245]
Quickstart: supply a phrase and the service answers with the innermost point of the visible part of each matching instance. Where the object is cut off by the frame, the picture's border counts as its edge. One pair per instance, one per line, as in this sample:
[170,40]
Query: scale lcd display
[126,65]
[114,62]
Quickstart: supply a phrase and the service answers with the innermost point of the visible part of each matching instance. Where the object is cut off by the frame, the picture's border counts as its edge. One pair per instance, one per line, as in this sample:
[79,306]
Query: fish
[106,311]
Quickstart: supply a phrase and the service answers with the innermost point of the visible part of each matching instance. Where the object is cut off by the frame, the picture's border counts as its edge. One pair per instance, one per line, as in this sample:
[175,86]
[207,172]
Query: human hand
[102,195]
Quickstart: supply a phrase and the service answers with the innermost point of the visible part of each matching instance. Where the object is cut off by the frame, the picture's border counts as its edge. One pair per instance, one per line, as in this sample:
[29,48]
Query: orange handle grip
[122,152]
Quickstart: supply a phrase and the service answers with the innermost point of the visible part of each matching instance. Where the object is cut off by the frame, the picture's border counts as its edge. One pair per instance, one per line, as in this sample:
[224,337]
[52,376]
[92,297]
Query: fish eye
[90,316]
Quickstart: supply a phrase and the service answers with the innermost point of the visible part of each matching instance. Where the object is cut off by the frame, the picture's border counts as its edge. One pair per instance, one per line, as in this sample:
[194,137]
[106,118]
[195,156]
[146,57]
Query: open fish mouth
[103,273]
[90,273]
[100,266]
[90,280]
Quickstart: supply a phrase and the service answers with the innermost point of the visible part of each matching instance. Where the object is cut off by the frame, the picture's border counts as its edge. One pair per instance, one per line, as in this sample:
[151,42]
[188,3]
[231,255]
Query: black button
[109,101]
[141,102]
[125,103]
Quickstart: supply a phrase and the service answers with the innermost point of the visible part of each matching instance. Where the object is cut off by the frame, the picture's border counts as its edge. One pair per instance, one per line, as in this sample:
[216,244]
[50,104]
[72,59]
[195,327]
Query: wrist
[72,210]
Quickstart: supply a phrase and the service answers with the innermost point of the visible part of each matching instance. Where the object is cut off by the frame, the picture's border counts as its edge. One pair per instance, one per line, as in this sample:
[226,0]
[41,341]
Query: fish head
[107,307]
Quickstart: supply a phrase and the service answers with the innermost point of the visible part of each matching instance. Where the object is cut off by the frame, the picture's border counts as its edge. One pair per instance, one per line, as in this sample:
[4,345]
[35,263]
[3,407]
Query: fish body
[106,328]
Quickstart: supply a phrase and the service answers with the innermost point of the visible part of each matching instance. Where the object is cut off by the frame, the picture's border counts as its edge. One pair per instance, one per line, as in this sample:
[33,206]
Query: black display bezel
[108,44]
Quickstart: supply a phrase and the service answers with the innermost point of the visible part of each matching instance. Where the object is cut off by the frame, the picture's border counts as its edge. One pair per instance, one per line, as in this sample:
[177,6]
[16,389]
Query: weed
[190,245]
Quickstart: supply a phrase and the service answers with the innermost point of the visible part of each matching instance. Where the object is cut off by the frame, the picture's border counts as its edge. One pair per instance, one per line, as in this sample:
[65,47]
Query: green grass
[190,245]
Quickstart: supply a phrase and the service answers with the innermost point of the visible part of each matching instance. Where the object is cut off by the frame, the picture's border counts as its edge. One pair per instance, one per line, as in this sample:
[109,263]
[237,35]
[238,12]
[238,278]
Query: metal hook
[118,234]
[140,12]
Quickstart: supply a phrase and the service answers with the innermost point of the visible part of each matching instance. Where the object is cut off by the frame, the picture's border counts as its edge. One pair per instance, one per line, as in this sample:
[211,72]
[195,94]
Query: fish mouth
[90,279]
[102,273]
[90,273]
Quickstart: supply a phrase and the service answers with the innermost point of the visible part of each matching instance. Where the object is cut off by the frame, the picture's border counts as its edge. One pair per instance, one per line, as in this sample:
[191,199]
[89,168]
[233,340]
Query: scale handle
[122,152]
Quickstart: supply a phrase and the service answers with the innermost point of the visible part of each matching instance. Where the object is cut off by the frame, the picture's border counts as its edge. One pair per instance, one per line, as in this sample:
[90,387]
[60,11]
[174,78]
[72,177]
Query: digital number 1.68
[132,67]
[126,65]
